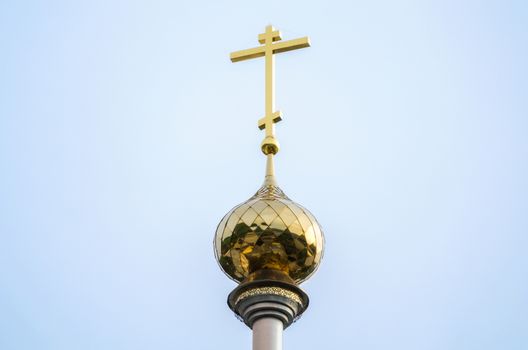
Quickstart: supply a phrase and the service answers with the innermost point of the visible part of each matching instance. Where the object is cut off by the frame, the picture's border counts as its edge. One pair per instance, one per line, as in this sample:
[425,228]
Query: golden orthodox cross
[268,49]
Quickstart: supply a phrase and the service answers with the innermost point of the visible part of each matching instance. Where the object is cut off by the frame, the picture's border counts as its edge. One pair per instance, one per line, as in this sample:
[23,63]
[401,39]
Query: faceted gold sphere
[269,233]
[270,145]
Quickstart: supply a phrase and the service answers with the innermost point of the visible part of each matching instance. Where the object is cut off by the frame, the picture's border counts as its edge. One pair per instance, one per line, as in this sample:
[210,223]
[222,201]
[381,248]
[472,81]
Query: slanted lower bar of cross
[270,47]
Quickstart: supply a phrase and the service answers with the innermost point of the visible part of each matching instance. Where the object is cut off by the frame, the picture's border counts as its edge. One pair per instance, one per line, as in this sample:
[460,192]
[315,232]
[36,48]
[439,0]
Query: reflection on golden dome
[269,233]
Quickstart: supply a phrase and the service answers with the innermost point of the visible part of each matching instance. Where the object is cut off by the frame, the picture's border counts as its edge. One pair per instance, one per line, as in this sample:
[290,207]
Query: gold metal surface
[269,236]
[269,232]
[270,47]
[270,290]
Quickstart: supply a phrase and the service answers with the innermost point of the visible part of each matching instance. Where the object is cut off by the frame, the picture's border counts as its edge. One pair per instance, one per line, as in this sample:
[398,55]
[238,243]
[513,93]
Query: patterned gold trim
[267,291]
[270,192]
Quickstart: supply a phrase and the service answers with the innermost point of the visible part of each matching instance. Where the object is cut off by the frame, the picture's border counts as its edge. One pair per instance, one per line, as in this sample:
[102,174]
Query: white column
[267,334]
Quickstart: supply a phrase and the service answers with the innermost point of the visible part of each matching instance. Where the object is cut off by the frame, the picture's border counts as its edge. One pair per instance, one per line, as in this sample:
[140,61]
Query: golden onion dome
[269,236]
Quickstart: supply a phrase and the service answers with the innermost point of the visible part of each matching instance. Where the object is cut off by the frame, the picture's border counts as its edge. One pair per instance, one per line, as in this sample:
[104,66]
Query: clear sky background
[126,134]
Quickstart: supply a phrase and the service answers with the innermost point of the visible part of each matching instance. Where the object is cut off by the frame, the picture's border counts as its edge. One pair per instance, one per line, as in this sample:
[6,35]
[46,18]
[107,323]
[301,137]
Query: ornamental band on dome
[269,244]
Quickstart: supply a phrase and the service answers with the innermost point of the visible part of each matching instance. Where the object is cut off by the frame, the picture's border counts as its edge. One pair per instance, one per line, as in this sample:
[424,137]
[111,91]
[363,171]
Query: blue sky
[126,134]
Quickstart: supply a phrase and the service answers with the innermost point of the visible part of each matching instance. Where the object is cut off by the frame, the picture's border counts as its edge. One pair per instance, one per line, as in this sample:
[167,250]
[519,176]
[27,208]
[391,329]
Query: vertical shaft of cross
[270,82]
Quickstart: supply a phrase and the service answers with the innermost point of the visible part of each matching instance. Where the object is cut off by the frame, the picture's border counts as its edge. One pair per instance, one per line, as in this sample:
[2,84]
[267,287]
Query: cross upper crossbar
[260,51]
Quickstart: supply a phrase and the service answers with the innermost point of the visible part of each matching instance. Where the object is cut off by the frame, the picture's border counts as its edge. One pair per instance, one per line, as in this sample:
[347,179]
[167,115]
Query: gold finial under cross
[270,144]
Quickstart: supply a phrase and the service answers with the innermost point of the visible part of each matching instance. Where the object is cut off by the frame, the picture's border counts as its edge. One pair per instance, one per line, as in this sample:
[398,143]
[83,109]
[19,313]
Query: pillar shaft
[267,334]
